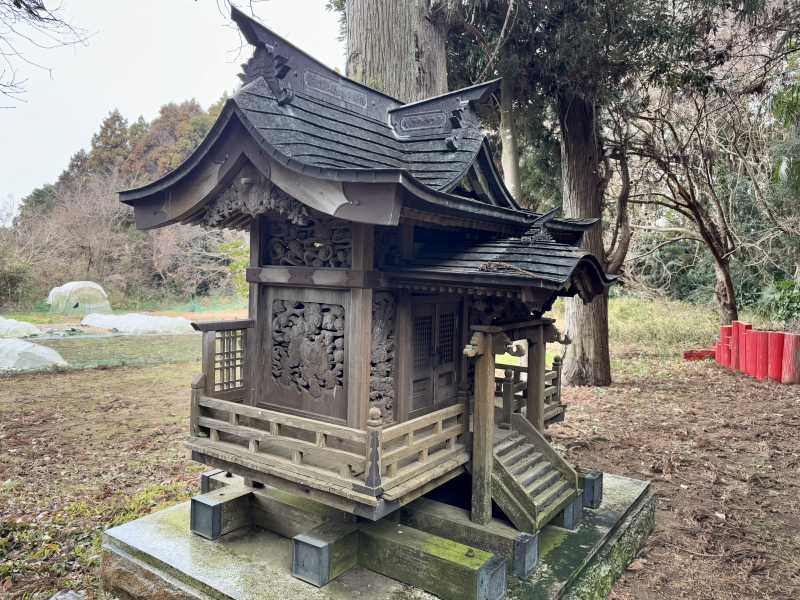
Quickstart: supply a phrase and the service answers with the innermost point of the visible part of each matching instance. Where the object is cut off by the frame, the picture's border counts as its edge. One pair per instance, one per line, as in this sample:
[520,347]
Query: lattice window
[229,360]
[423,332]
[447,328]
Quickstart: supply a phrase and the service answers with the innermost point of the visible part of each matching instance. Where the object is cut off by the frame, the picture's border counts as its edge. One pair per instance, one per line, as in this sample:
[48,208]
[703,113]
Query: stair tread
[508,443]
[547,513]
[543,483]
[549,494]
[539,470]
[521,451]
[526,463]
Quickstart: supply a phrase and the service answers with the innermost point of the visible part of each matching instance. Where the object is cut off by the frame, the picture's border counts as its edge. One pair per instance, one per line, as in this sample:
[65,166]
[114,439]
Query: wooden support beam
[443,567]
[536,384]
[482,347]
[521,550]
[289,514]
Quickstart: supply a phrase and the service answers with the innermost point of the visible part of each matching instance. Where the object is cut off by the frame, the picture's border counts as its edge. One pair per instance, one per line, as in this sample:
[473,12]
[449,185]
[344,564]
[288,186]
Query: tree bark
[397,48]
[725,293]
[508,134]
[587,360]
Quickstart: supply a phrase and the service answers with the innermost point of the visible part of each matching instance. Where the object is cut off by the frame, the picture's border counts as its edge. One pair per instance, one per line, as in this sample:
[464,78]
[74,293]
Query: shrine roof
[316,123]
[534,259]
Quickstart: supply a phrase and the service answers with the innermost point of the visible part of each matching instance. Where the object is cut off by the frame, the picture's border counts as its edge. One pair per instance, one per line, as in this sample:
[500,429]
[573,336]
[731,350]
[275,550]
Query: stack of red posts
[771,355]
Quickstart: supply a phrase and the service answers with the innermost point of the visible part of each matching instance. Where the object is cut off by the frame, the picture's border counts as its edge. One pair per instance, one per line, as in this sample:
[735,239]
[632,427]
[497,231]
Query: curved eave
[586,279]
[439,200]
[130,196]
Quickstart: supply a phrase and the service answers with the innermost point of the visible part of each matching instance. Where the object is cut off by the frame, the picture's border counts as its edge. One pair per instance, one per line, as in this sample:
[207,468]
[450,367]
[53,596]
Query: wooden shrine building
[388,267]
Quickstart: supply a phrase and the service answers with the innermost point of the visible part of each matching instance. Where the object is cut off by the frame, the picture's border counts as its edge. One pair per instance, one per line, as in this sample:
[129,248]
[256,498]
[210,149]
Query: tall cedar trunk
[397,48]
[587,359]
[508,134]
[725,293]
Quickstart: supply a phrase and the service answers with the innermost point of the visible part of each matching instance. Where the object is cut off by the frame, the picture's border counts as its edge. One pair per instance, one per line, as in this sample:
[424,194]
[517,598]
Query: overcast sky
[140,54]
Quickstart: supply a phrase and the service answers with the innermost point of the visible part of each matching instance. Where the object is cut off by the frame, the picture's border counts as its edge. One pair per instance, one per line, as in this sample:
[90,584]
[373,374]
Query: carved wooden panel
[250,195]
[319,241]
[382,361]
[308,351]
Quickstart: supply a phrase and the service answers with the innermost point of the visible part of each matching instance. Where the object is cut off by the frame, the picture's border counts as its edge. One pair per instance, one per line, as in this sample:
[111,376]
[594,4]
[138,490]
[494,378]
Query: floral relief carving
[308,347]
[317,242]
[382,360]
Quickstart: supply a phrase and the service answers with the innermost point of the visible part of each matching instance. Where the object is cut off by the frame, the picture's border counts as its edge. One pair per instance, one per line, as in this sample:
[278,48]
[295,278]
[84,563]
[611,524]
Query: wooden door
[434,345]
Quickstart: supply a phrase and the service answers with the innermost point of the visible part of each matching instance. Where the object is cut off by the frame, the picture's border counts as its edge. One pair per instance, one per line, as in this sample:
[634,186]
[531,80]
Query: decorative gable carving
[251,194]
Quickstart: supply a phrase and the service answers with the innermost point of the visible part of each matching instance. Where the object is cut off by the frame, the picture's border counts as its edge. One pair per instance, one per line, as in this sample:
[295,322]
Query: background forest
[76,228]
[692,113]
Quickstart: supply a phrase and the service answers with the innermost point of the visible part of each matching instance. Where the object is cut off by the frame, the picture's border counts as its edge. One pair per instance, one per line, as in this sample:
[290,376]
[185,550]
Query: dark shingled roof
[320,134]
[561,267]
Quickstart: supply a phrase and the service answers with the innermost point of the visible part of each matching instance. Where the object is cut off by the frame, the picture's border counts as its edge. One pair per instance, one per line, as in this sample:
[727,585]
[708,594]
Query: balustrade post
[557,381]
[508,399]
[374,429]
[198,387]
[209,352]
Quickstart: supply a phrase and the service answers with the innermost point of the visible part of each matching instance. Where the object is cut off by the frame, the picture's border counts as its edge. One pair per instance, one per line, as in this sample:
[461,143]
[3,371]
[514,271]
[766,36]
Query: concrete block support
[221,511]
[324,553]
[572,515]
[592,484]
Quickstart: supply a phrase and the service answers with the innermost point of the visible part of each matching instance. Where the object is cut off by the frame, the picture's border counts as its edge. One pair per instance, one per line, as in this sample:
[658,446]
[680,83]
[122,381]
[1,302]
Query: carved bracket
[476,346]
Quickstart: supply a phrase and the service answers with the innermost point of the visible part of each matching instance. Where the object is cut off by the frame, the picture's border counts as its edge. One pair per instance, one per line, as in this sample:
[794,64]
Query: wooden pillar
[481,346]
[535,388]
[359,346]
[253,337]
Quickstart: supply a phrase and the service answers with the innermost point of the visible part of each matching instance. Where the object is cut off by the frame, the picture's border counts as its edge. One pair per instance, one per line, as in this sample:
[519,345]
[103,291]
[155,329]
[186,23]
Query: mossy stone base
[158,558]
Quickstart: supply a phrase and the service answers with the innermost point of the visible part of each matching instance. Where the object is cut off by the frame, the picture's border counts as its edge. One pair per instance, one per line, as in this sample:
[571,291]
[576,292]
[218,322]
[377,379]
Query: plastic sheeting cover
[10,328]
[19,355]
[78,297]
[137,324]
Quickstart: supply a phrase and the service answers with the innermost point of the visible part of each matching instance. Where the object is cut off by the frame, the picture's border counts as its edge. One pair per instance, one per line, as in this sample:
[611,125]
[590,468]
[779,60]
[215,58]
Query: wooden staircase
[531,482]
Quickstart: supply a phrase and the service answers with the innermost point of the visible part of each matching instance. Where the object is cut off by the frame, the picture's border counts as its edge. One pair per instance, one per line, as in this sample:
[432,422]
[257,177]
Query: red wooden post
[791,358]
[735,331]
[725,338]
[761,354]
[742,360]
[775,360]
[747,357]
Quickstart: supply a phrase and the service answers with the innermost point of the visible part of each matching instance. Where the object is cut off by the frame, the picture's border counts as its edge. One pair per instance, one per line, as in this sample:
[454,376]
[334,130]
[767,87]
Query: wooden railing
[511,387]
[225,356]
[324,450]
[409,449]
[393,460]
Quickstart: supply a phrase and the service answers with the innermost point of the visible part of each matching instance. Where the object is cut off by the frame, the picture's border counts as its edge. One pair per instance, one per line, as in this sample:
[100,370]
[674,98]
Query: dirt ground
[722,452]
[85,450]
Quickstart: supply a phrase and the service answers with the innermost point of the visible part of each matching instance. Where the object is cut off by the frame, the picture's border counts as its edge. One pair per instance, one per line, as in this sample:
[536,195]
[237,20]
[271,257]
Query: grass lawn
[83,450]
